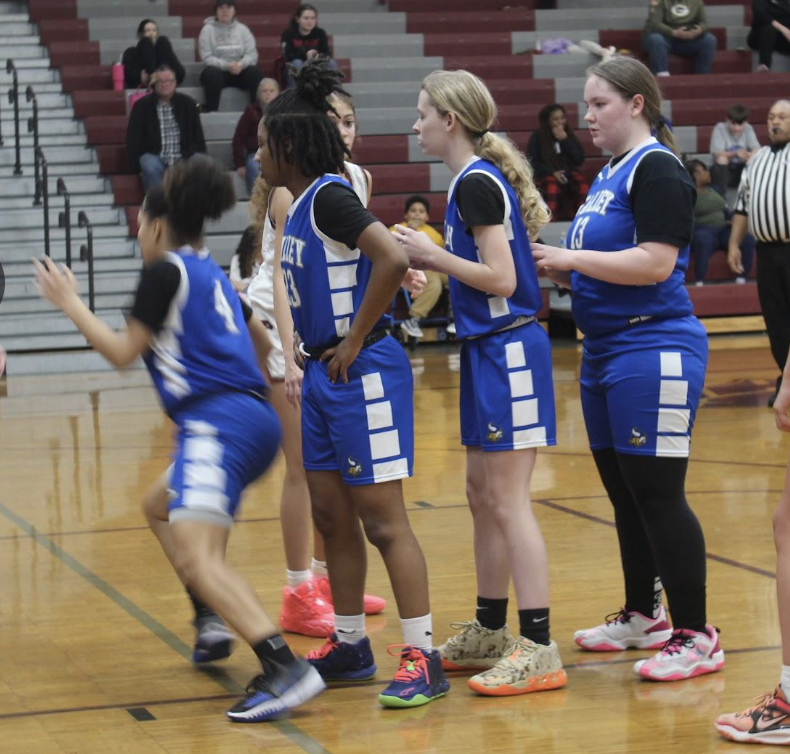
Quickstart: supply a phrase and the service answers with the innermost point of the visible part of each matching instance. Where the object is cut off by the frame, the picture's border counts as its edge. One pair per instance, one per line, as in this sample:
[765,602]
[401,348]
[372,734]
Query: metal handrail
[13,98]
[64,218]
[86,255]
[32,127]
[44,189]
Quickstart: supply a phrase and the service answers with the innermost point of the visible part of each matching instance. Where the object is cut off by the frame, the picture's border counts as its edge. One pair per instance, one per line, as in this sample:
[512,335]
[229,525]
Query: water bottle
[118,77]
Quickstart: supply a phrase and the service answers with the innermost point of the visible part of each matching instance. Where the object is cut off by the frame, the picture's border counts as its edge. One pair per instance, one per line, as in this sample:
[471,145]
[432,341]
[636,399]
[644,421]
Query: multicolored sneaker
[306,612]
[371,604]
[623,630]
[527,667]
[475,647]
[339,661]
[277,692]
[214,640]
[766,723]
[687,654]
[419,679]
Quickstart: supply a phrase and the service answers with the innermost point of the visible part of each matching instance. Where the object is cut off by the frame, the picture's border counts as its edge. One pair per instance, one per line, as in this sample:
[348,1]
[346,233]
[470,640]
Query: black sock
[491,614]
[273,649]
[201,609]
[534,625]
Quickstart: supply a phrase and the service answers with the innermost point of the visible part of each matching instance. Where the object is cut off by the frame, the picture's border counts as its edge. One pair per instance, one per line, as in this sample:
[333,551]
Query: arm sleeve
[207,52]
[200,139]
[702,18]
[742,199]
[751,138]
[663,189]
[155,292]
[323,44]
[655,20]
[250,56]
[340,215]
[574,150]
[717,138]
[539,167]
[166,54]
[290,53]
[134,136]
[480,201]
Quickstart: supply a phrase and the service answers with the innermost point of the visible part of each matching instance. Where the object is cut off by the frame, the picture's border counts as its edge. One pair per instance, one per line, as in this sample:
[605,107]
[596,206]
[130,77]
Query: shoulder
[659,163]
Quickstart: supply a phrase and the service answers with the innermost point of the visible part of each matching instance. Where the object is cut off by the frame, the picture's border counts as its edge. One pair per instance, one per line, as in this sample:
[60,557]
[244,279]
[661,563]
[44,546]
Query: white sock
[318,567]
[297,577]
[418,632]
[784,682]
[350,628]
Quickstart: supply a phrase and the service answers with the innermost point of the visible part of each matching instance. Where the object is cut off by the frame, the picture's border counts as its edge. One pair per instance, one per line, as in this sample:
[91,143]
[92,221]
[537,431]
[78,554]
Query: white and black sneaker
[412,327]
[214,640]
[280,690]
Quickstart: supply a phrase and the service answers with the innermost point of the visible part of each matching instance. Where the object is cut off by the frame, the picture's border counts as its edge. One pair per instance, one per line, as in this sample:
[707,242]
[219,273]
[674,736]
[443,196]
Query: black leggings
[659,533]
[766,40]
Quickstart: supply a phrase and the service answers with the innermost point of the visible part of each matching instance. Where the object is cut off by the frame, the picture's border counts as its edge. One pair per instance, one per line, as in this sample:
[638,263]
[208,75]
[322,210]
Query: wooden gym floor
[95,633]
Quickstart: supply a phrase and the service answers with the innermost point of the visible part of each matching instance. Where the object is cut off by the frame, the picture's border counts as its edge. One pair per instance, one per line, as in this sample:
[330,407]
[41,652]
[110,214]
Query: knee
[709,42]
[324,517]
[379,532]
[475,495]
[211,76]
[188,567]
[653,40]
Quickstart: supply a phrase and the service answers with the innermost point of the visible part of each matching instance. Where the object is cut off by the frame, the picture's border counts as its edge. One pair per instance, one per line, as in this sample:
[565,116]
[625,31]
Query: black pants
[766,40]
[773,287]
[727,176]
[214,80]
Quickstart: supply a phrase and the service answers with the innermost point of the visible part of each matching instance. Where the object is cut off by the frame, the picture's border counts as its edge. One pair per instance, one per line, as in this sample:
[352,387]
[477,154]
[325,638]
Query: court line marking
[287,728]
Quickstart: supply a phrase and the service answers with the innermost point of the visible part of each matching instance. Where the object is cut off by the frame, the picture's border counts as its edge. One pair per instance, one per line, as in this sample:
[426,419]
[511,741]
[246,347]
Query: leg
[152,170]
[720,175]
[657,48]
[550,189]
[704,53]
[773,292]
[703,244]
[249,79]
[763,39]
[748,251]
[782,542]
[212,79]
[296,65]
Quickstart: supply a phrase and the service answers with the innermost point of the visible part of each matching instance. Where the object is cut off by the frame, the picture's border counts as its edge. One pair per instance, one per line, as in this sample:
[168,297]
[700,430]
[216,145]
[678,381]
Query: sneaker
[419,679]
[450,328]
[371,605]
[527,667]
[306,612]
[740,280]
[214,640]
[272,694]
[412,327]
[339,661]
[766,723]
[626,629]
[475,647]
[687,654]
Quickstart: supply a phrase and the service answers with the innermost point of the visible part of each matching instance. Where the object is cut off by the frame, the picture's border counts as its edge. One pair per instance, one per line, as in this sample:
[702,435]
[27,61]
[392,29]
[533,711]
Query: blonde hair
[628,77]
[467,97]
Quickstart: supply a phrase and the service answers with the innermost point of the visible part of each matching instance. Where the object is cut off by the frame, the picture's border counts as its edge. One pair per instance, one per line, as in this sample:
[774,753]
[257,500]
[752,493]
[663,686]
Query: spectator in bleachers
[712,226]
[303,40]
[680,29]
[228,49]
[732,143]
[164,127]
[556,156]
[141,61]
[246,262]
[416,216]
[245,138]
[770,30]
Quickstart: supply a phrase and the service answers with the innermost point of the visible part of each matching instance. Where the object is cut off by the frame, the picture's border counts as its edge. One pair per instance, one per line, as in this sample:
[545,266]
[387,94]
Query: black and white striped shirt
[764,194]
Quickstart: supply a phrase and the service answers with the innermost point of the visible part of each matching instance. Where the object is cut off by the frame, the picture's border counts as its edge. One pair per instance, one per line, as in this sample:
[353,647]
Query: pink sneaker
[626,630]
[687,654]
[372,605]
[305,611]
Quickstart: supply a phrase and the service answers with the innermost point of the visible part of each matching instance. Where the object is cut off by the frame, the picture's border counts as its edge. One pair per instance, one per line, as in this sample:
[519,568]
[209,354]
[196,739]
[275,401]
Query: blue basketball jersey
[204,346]
[605,222]
[324,279]
[478,313]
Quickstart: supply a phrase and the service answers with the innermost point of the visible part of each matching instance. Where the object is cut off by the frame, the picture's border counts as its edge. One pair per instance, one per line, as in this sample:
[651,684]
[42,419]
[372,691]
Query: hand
[782,29]
[234,68]
[559,132]
[311,54]
[781,405]
[341,357]
[144,77]
[293,383]
[743,155]
[418,246]
[560,176]
[298,358]
[59,287]
[242,171]
[681,34]
[414,282]
[552,258]
[694,32]
[734,260]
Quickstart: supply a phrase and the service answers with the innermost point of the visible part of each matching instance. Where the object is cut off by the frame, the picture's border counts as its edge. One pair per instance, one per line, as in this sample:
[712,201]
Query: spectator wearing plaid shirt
[163,127]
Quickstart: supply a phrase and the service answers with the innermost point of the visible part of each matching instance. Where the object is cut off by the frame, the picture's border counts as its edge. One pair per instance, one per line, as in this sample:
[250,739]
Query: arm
[701,22]
[60,288]
[533,155]
[135,133]
[655,21]
[250,56]
[290,52]
[574,150]
[323,44]
[206,48]
[717,148]
[740,226]
[200,139]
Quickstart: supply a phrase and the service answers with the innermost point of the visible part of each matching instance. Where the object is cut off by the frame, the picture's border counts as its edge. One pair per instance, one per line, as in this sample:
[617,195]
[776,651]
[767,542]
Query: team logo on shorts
[354,466]
[494,433]
[637,438]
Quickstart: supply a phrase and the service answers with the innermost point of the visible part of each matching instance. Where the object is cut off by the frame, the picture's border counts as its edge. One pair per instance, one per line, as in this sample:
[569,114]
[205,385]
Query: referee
[763,206]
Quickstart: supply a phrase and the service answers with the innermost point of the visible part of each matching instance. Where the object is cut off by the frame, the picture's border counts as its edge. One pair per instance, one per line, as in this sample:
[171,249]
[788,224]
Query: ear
[637,104]
[450,120]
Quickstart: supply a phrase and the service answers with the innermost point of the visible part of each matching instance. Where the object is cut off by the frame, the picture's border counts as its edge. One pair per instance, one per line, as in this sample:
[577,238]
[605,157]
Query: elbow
[505,290]
[661,274]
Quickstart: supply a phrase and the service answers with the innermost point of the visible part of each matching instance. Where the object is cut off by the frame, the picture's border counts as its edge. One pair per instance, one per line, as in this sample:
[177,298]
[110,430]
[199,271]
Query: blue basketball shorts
[641,387]
[507,390]
[363,429]
[225,442]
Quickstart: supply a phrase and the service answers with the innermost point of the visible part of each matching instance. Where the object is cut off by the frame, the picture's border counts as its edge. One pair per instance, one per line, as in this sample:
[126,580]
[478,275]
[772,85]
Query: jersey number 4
[222,307]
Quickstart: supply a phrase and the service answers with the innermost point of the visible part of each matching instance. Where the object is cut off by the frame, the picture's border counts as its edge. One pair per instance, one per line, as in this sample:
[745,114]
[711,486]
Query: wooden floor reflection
[94,628]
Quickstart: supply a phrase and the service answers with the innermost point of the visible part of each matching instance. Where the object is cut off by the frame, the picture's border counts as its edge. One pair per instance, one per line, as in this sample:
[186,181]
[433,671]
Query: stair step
[78,168]
[31,217]
[27,63]
[103,249]
[36,305]
[127,265]
[56,203]
[54,155]
[66,362]
[54,126]
[105,283]
[24,187]
[30,236]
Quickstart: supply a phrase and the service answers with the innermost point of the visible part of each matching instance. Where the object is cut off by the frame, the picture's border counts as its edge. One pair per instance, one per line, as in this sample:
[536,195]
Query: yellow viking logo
[637,438]
[354,466]
[494,432]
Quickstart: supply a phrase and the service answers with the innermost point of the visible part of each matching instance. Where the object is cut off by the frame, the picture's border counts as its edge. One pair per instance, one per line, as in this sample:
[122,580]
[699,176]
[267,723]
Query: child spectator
[556,156]
[416,216]
[245,138]
[303,40]
[680,29]
[712,226]
[732,143]
[151,51]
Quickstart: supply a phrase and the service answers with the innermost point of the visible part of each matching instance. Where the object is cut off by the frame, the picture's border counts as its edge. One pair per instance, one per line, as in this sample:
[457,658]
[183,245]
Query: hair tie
[482,133]
[661,121]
